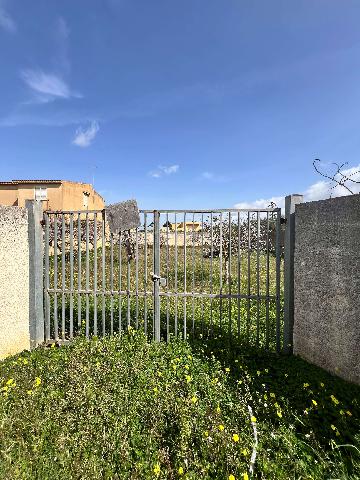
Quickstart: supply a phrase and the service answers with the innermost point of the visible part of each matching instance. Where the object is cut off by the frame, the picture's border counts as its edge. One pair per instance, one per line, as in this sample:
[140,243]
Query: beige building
[56,195]
[188,226]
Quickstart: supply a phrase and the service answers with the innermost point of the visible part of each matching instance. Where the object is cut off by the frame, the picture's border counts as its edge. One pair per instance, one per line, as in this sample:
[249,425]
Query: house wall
[327,285]
[54,195]
[8,195]
[73,197]
[14,281]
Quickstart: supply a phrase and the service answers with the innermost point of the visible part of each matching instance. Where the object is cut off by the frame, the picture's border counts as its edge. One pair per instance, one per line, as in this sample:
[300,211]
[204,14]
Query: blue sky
[180,104]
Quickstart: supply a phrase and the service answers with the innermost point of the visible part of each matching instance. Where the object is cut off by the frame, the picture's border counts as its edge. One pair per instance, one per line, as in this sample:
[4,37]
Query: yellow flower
[231,477]
[206,433]
[37,381]
[29,392]
[306,385]
[157,469]
[5,388]
[235,437]
[215,381]
[314,402]
[194,399]
[245,452]
[159,374]
[265,396]
[276,405]
[25,361]
[188,378]
[186,366]
[181,471]
[245,476]
[333,427]
[218,409]
[342,412]
[272,395]
[227,369]
[348,413]
[156,390]
[221,427]
[11,382]
[279,414]
[258,372]
[266,370]
[337,433]
[189,357]
[253,419]
[335,400]
[322,385]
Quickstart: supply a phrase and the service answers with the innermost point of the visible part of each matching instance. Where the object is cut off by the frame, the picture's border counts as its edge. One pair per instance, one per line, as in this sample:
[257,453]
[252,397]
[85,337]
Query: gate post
[36,305]
[289,246]
[156,276]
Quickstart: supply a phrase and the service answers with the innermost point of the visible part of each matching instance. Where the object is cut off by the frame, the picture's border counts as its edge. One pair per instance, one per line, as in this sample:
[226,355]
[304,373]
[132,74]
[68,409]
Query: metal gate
[188,273]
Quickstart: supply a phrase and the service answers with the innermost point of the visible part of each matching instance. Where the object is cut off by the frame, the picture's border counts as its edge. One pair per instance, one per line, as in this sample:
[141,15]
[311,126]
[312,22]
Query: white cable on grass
[254,451]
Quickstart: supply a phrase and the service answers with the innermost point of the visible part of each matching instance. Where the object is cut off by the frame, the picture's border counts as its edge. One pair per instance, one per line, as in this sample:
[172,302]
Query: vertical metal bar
[176,277]
[238,273]
[157,275]
[185,330]
[220,268]
[63,276]
[71,275]
[111,284]
[79,270]
[267,283]
[211,270]
[229,275]
[103,265]
[278,264]
[202,273]
[47,279]
[167,280]
[248,279]
[145,273]
[87,273]
[120,284]
[128,281]
[56,326]
[136,280]
[257,278]
[193,276]
[95,275]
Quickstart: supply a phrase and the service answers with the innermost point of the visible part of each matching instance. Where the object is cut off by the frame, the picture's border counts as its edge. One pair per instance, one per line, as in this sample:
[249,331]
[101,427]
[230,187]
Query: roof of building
[16,182]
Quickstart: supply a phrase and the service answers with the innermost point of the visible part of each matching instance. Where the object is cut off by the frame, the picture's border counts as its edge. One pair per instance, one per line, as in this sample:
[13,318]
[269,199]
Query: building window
[85,199]
[40,193]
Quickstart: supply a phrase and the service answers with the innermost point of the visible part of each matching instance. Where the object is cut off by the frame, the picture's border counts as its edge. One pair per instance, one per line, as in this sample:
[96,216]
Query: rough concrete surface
[327,285]
[14,281]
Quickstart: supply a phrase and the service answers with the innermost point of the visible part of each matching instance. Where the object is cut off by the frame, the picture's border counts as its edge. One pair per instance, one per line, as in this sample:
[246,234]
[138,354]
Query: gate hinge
[157,278]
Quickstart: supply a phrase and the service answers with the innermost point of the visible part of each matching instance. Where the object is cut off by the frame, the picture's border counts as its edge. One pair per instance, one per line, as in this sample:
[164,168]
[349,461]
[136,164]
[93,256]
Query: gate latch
[157,278]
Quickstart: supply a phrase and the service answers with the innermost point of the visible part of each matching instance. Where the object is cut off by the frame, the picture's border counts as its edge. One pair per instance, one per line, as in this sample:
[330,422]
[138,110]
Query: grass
[124,408]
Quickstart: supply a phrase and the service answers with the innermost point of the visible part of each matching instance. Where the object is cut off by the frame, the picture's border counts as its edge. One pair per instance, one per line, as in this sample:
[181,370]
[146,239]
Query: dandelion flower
[227,369]
[253,419]
[335,400]
[279,414]
[194,399]
[231,477]
[348,413]
[157,469]
[206,433]
[245,476]
[11,382]
[322,385]
[181,471]
[245,452]
[306,385]
[156,390]
[314,402]
[221,427]
[188,378]
[235,437]
[37,381]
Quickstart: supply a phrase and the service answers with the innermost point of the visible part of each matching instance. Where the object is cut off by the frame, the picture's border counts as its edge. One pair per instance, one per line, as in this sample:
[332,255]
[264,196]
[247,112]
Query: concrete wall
[327,285]
[14,281]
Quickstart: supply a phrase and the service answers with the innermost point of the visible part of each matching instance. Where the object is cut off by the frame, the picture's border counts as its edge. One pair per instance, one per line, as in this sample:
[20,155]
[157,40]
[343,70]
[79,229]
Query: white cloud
[320,190]
[164,170]
[48,85]
[84,137]
[6,22]
[210,176]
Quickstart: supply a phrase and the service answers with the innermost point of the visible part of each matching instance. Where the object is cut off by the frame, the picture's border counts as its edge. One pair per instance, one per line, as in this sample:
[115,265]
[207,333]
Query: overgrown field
[124,408]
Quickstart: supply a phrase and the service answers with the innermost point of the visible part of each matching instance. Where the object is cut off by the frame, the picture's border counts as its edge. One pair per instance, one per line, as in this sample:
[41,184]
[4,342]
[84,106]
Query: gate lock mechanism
[157,278]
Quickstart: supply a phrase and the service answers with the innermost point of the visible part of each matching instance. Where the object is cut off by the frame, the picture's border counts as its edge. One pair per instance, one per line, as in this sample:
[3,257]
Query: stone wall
[14,281]
[327,285]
